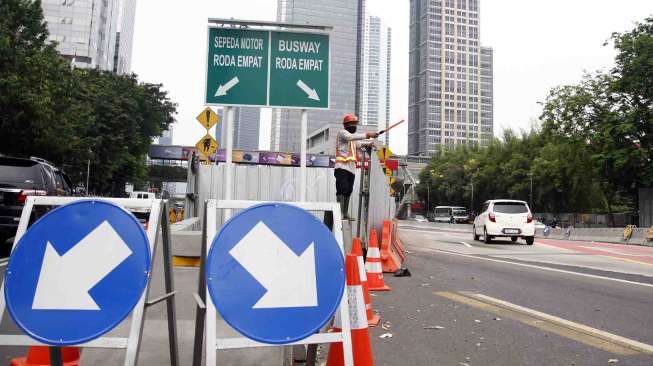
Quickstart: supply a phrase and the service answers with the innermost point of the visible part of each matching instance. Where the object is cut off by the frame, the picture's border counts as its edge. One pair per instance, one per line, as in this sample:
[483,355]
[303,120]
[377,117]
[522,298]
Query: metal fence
[281,184]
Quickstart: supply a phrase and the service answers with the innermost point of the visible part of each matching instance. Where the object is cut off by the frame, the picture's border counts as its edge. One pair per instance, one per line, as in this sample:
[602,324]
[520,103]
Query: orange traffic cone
[360,336]
[372,319]
[40,356]
[373,265]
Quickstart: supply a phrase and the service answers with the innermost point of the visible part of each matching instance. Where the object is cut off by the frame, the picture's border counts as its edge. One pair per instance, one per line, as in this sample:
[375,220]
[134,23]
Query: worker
[348,145]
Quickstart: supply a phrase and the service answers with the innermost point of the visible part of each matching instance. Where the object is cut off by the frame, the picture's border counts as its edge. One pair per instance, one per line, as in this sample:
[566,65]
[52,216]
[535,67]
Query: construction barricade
[392,253]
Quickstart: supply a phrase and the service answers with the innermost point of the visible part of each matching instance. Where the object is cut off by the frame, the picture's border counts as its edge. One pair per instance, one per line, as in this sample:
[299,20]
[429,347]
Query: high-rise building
[124,37]
[166,137]
[375,82]
[247,123]
[346,17]
[84,29]
[450,77]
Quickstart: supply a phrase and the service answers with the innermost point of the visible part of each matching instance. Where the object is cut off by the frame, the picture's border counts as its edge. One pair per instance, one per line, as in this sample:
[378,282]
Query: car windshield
[460,212]
[18,171]
[510,207]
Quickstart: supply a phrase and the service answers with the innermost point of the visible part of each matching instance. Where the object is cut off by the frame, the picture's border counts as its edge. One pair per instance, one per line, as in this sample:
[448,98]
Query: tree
[72,116]
[612,114]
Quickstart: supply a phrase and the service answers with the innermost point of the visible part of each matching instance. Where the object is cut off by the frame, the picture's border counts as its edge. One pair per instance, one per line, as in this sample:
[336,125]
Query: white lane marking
[542,268]
[466,244]
[4,262]
[630,343]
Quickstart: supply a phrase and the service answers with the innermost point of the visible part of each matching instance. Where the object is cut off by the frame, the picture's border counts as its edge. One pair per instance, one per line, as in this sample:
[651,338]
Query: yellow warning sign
[384,153]
[207,145]
[207,118]
[392,180]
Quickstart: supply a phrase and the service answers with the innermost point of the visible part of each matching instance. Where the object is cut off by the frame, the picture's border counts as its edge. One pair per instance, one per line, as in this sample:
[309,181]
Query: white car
[420,218]
[505,218]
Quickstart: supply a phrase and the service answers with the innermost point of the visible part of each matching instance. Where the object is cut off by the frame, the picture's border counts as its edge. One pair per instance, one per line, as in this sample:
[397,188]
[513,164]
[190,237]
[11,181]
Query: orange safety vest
[353,154]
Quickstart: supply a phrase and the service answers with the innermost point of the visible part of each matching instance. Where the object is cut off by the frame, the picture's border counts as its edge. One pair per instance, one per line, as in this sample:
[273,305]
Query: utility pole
[428,200]
[531,200]
[88,174]
[471,204]
[531,194]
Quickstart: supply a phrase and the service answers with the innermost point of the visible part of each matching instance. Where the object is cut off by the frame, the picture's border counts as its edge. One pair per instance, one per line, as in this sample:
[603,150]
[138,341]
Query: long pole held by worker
[391,127]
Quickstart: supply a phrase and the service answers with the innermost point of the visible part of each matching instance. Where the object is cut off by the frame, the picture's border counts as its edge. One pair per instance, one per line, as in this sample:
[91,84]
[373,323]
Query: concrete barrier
[605,235]
[186,238]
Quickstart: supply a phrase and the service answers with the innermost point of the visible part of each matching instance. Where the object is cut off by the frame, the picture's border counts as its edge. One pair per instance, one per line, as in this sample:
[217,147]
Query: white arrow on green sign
[267,68]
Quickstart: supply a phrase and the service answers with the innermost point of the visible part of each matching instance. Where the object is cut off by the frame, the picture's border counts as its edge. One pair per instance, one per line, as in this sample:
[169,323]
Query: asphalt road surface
[553,303]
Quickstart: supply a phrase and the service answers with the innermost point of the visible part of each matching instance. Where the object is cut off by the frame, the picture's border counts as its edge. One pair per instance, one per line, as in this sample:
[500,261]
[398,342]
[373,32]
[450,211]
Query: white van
[505,218]
[451,214]
[142,195]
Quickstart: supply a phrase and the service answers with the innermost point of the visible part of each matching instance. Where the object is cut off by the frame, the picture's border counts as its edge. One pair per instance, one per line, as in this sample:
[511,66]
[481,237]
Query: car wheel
[486,238]
[513,238]
[474,231]
[530,240]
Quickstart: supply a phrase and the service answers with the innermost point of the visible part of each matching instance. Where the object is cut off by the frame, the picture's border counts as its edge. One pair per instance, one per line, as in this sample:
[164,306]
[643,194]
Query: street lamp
[471,203]
[531,194]
[428,200]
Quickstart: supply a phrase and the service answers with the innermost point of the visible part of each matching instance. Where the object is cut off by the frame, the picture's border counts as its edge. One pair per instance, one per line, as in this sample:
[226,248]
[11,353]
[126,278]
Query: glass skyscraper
[86,31]
[375,83]
[450,77]
[346,17]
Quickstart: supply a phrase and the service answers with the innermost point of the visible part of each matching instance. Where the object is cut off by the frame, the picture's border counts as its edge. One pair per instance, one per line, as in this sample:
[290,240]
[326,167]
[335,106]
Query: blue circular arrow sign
[77,272]
[275,273]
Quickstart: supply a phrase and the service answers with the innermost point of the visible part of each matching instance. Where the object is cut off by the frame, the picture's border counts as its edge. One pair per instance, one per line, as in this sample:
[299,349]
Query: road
[553,303]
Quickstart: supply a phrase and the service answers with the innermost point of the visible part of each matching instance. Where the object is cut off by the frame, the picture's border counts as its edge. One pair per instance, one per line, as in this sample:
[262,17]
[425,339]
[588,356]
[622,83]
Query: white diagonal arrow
[289,279]
[223,89]
[312,94]
[65,280]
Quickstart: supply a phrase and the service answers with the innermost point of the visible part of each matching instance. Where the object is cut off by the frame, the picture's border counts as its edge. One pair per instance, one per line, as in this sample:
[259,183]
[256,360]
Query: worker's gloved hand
[372,135]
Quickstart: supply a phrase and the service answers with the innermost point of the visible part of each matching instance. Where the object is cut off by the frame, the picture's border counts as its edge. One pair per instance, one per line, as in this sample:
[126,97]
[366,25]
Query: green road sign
[299,70]
[237,69]
[267,68]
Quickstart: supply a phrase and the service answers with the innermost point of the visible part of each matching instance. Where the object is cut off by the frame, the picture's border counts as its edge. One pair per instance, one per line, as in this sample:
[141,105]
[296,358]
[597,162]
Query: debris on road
[496,318]
[477,321]
[613,360]
[386,325]
[434,327]
[386,335]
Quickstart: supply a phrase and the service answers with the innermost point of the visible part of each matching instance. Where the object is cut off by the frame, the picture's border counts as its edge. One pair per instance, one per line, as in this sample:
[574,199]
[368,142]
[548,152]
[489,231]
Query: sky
[537,45]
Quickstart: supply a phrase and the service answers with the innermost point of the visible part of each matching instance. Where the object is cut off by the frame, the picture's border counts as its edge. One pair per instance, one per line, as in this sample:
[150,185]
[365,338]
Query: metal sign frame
[157,219]
[206,315]
[268,28]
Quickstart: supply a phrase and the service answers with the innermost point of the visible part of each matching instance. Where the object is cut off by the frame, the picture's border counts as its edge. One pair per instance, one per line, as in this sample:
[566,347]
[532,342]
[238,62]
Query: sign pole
[229,111]
[302,158]
[55,356]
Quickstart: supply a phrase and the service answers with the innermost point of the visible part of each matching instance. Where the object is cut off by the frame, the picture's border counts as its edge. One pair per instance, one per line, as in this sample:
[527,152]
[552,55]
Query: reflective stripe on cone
[360,336]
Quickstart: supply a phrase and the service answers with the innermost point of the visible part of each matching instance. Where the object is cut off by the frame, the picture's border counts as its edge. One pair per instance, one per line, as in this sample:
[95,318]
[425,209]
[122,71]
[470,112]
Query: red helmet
[350,118]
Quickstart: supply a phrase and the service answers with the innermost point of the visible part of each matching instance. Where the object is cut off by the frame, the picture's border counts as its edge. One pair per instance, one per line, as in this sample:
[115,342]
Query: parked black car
[20,178]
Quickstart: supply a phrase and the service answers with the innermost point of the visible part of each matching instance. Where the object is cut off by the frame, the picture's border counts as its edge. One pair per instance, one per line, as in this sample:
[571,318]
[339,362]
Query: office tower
[166,137]
[346,17]
[375,85]
[450,77]
[247,123]
[85,30]
[124,37]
